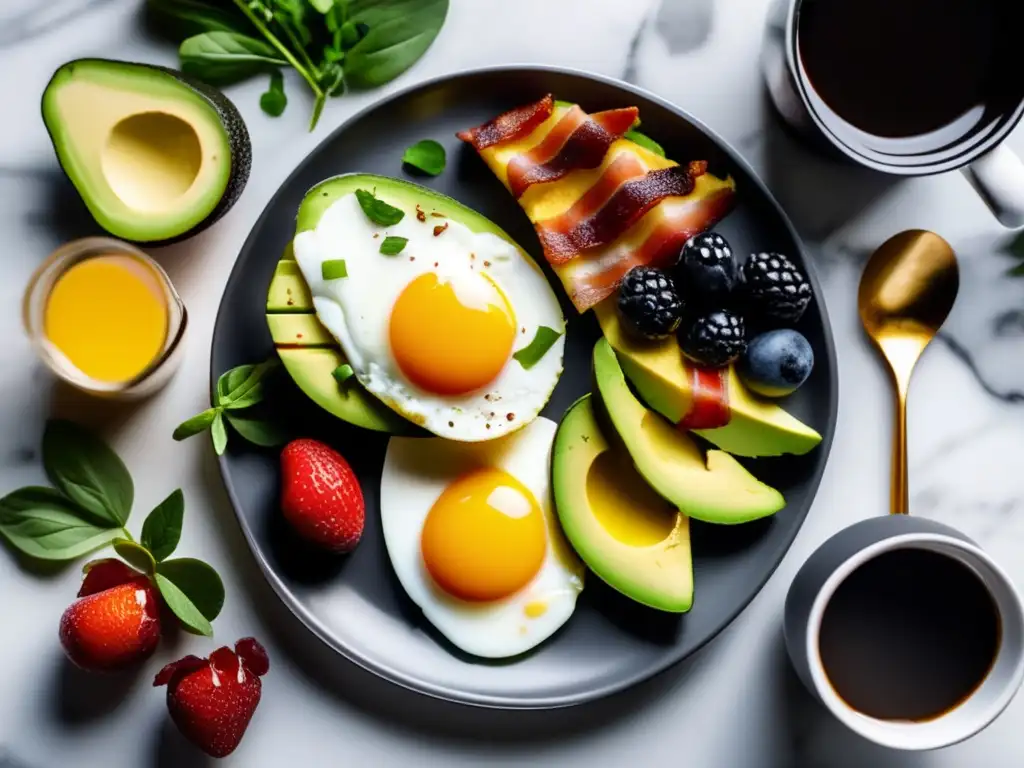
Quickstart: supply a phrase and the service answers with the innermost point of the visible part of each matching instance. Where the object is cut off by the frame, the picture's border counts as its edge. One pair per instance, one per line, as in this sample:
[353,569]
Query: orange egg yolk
[484,538]
[446,347]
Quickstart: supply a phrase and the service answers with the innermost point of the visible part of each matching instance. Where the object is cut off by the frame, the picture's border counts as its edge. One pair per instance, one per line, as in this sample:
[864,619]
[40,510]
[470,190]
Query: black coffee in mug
[909,635]
[911,75]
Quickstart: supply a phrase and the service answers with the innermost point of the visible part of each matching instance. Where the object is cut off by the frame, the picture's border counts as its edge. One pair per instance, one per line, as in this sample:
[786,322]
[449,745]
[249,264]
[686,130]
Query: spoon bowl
[906,292]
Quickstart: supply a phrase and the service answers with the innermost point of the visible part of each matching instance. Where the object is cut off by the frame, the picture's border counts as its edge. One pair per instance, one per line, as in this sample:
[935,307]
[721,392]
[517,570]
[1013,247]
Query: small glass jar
[157,373]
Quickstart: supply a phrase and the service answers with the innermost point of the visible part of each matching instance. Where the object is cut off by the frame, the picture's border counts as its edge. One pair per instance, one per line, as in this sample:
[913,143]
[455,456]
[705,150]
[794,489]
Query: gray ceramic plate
[355,604]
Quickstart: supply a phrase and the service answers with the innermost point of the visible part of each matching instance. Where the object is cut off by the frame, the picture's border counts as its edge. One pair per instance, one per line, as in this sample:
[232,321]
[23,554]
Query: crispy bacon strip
[709,407]
[509,126]
[598,218]
[577,142]
[593,277]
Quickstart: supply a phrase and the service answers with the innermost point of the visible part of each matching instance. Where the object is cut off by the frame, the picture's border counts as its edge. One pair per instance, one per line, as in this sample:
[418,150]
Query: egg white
[416,472]
[357,310]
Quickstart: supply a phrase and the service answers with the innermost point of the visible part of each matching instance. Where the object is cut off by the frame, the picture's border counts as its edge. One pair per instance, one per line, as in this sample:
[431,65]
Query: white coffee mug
[836,559]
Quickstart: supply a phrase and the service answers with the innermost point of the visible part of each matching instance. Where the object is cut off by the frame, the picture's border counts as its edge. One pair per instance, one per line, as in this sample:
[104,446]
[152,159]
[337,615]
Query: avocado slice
[662,378]
[630,537]
[155,155]
[717,489]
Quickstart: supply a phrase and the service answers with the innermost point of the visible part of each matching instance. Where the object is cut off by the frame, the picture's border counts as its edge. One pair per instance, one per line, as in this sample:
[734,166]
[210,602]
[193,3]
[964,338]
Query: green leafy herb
[251,391]
[43,524]
[219,433]
[343,373]
[427,155]
[186,18]
[377,210]
[190,617]
[532,354]
[198,423]
[135,555]
[232,380]
[88,472]
[392,246]
[333,269]
[260,432]
[398,33]
[198,582]
[274,100]
[645,141]
[162,530]
[323,6]
[222,58]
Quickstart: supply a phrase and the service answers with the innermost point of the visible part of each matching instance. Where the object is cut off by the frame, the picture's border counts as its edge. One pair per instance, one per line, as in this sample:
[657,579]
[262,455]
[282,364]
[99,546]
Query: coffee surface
[909,635]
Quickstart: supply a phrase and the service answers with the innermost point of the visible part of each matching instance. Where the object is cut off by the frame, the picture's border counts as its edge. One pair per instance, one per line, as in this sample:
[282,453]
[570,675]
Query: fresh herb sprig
[239,389]
[89,507]
[331,44]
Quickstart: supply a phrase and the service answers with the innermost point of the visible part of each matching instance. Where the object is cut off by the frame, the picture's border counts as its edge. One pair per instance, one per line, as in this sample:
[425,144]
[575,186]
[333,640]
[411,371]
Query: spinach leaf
[377,210]
[427,155]
[534,352]
[42,523]
[262,432]
[185,18]
[88,472]
[399,33]
[274,100]
[323,6]
[392,246]
[250,390]
[222,58]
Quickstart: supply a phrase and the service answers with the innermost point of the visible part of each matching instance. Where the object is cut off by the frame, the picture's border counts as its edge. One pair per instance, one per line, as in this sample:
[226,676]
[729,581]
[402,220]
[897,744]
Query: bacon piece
[598,218]
[590,278]
[509,126]
[709,406]
[577,142]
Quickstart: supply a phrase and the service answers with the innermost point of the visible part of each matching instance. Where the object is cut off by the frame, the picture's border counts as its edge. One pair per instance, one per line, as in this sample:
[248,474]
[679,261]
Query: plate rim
[499,702]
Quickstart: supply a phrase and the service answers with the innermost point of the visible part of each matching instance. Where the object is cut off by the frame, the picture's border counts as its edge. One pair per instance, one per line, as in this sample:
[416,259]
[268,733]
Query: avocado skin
[230,118]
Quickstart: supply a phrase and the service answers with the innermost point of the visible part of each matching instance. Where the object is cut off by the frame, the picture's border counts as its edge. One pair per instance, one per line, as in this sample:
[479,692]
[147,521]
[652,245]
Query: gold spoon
[907,290]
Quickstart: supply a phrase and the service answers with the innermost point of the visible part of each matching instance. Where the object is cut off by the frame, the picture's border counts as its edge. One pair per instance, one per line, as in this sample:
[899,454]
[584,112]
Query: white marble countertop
[736,703]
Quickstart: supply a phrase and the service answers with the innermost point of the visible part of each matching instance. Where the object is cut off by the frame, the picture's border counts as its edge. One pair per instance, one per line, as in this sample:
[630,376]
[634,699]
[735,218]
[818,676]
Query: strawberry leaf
[162,530]
[189,616]
[220,435]
[88,472]
[43,524]
[197,581]
[135,555]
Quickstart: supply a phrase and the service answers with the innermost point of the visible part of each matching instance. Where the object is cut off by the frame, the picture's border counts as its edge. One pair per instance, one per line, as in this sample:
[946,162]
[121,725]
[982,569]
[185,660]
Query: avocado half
[155,155]
[307,349]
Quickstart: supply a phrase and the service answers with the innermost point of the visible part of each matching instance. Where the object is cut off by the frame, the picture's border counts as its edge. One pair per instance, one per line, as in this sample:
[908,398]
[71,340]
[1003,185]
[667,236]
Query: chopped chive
[343,373]
[532,354]
[333,269]
[392,246]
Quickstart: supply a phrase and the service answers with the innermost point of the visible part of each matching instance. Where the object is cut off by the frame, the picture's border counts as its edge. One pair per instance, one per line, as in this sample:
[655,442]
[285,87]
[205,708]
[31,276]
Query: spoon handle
[899,502]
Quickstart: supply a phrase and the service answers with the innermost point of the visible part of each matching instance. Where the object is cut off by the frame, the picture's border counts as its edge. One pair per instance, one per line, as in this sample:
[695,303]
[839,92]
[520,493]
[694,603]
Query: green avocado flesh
[717,489]
[630,537]
[304,344]
[154,155]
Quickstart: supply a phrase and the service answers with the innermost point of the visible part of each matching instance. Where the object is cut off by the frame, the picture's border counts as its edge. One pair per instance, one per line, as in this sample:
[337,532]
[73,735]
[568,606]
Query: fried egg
[471,532]
[432,331]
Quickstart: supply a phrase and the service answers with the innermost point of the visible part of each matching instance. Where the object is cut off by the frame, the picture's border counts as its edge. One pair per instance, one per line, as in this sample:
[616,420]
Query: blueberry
[776,363]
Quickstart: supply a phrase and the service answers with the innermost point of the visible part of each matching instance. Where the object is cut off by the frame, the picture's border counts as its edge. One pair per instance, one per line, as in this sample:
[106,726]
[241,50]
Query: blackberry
[649,304]
[714,339]
[707,270]
[775,288]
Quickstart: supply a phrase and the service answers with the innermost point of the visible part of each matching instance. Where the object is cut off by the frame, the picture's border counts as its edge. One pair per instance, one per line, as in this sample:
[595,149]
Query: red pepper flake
[412,258]
[298,335]
[376,235]
[487,263]
[523,330]
[488,397]
[490,415]
[420,215]
[435,265]
[440,228]
[510,416]
[472,256]
[438,215]
[290,303]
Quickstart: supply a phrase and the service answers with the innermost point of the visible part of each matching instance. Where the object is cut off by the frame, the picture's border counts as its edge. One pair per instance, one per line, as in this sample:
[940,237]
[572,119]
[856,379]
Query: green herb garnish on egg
[343,373]
[333,269]
[534,352]
[427,155]
[377,210]
[392,246]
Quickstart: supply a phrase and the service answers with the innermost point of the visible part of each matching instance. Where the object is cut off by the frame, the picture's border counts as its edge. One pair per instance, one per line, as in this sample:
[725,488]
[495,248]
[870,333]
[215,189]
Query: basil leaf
[231,380]
[184,18]
[191,618]
[258,431]
[427,155]
[333,269]
[343,373]
[378,211]
[198,423]
[219,433]
[392,246]
[274,100]
[198,581]
[399,33]
[532,354]
[222,58]
[88,472]
[162,530]
[644,141]
[42,523]
[135,555]
[250,391]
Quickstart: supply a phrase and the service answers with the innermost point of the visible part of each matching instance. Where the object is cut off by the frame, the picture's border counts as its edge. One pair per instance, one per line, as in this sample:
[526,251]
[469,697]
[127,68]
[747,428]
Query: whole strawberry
[212,700]
[320,495]
[116,621]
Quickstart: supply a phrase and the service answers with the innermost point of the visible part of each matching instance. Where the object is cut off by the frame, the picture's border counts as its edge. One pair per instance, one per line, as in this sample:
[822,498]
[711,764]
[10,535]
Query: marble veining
[735,704]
